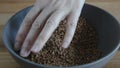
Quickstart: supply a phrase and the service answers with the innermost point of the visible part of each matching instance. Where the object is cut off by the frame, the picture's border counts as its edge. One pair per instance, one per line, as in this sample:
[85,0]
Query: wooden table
[9,7]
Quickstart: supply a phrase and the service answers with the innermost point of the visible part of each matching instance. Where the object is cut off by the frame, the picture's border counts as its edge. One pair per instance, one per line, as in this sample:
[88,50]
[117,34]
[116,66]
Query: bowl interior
[107,27]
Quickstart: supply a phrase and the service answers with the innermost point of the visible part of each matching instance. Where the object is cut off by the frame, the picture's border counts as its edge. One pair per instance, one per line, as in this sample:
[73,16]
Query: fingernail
[24,53]
[17,46]
[35,49]
[65,45]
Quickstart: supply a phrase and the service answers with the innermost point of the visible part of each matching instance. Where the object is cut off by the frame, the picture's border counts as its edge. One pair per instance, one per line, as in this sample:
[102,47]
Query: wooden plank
[6,14]
[2,48]
[4,17]
[9,64]
[115,62]
[6,61]
[12,7]
[9,7]
[15,1]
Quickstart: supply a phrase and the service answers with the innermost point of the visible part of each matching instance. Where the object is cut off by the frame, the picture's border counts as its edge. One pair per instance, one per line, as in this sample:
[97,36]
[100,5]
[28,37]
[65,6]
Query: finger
[42,3]
[25,26]
[47,31]
[71,25]
[35,30]
[27,22]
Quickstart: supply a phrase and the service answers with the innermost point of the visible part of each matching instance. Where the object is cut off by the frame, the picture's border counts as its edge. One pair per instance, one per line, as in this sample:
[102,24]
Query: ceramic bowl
[106,25]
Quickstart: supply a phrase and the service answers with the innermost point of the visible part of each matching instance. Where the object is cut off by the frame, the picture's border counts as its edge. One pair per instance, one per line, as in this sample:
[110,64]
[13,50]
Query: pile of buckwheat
[83,48]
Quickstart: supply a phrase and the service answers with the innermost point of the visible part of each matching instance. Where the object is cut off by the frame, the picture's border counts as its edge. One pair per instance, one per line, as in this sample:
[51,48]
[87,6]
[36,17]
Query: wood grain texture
[10,7]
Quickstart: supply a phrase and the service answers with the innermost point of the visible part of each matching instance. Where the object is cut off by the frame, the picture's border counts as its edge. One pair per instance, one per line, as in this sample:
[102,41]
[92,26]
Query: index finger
[25,26]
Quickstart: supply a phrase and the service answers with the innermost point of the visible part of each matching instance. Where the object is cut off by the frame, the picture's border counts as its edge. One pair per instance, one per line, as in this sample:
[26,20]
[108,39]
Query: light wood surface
[9,7]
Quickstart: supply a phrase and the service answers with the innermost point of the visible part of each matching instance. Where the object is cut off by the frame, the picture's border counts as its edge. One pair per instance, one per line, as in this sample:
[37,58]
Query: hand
[43,19]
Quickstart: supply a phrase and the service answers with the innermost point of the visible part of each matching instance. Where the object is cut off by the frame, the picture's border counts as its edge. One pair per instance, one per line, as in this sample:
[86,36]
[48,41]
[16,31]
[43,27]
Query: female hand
[43,19]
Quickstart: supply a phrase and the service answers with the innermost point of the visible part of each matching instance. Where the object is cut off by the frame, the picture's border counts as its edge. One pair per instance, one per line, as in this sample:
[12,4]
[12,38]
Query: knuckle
[27,22]
[72,24]
[51,22]
[36,25]
[28,41]
[43,38]
[58,4]
[66,42]
[20,37]
[27,19]
[70,35]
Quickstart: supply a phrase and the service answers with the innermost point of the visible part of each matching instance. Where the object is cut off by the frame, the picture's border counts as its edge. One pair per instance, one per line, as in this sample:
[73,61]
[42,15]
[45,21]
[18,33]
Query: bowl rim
[36,64]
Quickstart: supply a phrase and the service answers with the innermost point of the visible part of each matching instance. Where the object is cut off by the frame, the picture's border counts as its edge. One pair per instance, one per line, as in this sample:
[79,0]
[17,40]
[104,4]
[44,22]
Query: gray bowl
[106,25]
